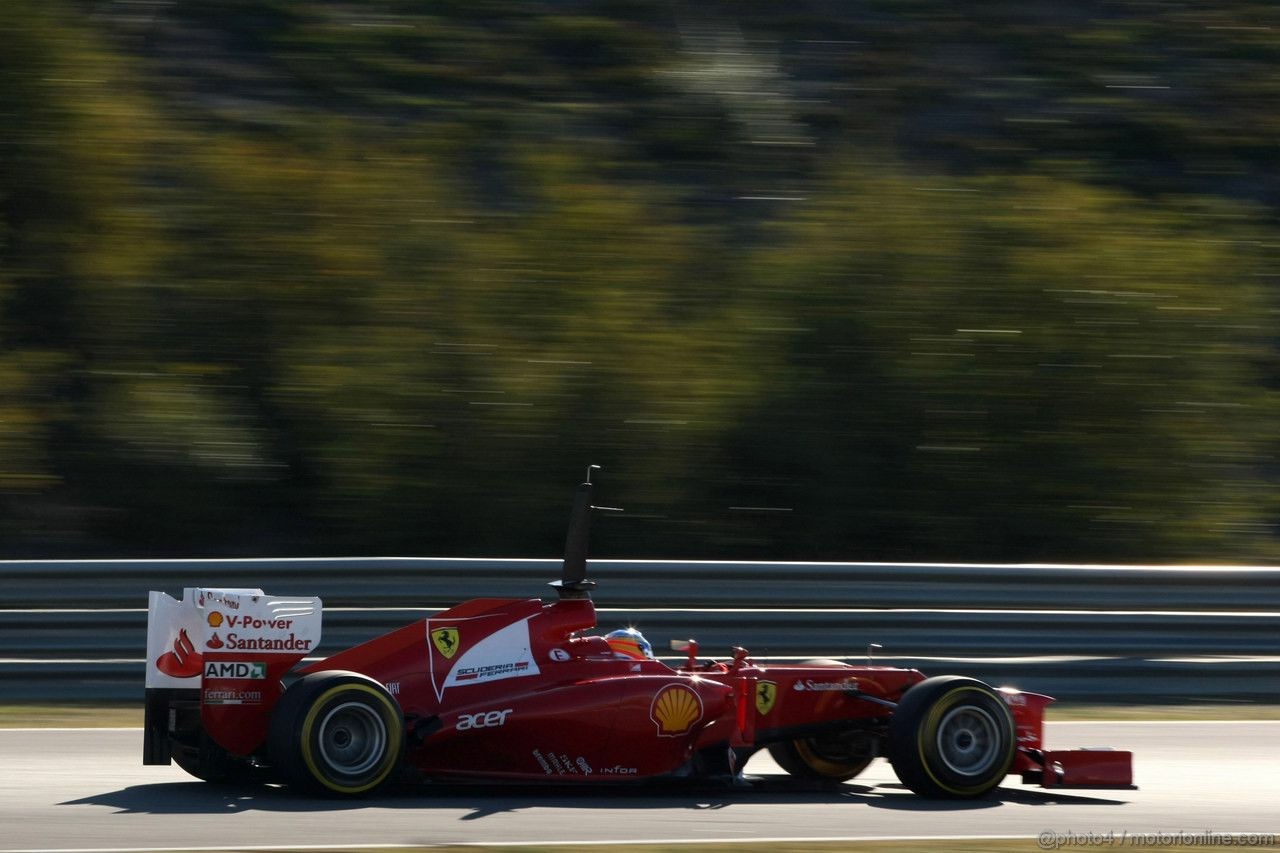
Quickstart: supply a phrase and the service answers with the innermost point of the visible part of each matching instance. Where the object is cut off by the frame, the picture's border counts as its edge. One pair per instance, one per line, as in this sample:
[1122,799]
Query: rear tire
[952,737]
[830,758]
[337,734]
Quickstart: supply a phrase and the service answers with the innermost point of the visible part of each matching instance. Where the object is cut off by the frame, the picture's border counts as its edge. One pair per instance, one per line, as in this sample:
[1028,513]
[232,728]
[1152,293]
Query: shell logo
[675,710]
[215,619]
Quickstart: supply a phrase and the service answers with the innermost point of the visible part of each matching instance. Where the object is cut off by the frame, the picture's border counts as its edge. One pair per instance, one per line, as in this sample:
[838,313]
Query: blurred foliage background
[874,280]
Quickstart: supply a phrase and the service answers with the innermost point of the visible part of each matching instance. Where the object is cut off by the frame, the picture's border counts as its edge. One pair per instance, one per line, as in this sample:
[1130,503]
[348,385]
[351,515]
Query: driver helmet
[629,643]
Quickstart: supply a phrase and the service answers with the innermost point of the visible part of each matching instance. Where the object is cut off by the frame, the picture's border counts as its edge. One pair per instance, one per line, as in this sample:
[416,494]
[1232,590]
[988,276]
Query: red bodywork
[509,689]
[513,689]
[583,707]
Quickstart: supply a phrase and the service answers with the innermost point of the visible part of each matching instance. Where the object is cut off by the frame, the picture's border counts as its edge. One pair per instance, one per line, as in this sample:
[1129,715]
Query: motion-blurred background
[872,280]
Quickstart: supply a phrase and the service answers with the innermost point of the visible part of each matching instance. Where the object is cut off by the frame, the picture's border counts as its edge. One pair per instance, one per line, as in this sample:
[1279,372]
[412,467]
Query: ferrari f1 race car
[501,689]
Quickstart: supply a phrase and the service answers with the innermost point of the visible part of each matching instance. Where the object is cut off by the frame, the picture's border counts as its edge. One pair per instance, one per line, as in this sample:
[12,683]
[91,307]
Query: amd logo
[234,670]
[482,720]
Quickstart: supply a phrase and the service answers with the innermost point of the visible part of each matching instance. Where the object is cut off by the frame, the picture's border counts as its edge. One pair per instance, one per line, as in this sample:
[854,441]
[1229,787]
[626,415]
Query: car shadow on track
[485,801]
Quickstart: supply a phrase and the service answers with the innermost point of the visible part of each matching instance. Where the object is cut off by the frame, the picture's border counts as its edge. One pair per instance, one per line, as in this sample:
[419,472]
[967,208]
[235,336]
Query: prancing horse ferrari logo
[766,693]
[446,640]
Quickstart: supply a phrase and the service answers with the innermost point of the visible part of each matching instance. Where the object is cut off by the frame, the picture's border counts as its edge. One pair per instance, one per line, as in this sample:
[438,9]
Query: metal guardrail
[77,629]
[400,581]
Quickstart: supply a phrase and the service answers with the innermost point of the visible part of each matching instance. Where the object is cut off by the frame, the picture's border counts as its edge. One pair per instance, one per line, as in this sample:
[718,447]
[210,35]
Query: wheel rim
[968,740]
[352,738]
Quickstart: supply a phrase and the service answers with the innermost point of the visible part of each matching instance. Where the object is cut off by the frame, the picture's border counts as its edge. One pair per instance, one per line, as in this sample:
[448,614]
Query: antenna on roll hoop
[573,581]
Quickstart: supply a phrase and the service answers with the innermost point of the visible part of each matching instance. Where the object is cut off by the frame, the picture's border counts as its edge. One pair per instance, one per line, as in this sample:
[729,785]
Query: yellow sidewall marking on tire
[930,725]
[826,766]
[393,737]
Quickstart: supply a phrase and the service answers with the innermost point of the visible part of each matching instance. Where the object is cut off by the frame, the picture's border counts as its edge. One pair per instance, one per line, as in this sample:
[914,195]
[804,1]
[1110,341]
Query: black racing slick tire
[336,734]
[830,758]
[952,737]
[833,758]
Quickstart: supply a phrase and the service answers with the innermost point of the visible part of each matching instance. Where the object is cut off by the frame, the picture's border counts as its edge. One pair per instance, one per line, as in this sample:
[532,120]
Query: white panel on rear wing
[240,621]
[181,632]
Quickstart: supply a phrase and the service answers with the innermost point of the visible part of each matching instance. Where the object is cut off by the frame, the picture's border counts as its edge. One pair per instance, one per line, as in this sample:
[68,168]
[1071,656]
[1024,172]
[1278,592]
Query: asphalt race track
[86,789]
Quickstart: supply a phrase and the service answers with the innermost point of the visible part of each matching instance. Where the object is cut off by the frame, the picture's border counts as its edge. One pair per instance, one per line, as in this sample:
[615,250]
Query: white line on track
[4,729]
[1056,723]
[795,839]
[544,843]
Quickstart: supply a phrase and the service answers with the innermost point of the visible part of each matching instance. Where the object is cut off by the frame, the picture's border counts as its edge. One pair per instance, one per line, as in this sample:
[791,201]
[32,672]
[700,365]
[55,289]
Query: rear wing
[225,650]
[183,635]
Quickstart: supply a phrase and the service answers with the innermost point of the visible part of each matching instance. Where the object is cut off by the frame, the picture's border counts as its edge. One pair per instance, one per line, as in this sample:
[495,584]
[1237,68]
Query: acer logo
[482,720]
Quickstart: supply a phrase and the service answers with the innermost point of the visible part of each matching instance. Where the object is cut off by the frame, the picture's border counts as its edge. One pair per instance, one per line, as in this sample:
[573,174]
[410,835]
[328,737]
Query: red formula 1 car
[512,690]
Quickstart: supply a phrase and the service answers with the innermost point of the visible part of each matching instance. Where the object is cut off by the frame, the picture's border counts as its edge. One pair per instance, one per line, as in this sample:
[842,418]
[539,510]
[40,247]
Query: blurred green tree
[887,282]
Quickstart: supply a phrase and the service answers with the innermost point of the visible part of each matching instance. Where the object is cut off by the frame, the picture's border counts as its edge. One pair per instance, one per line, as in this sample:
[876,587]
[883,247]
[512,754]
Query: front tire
[337,734]
[952,737]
